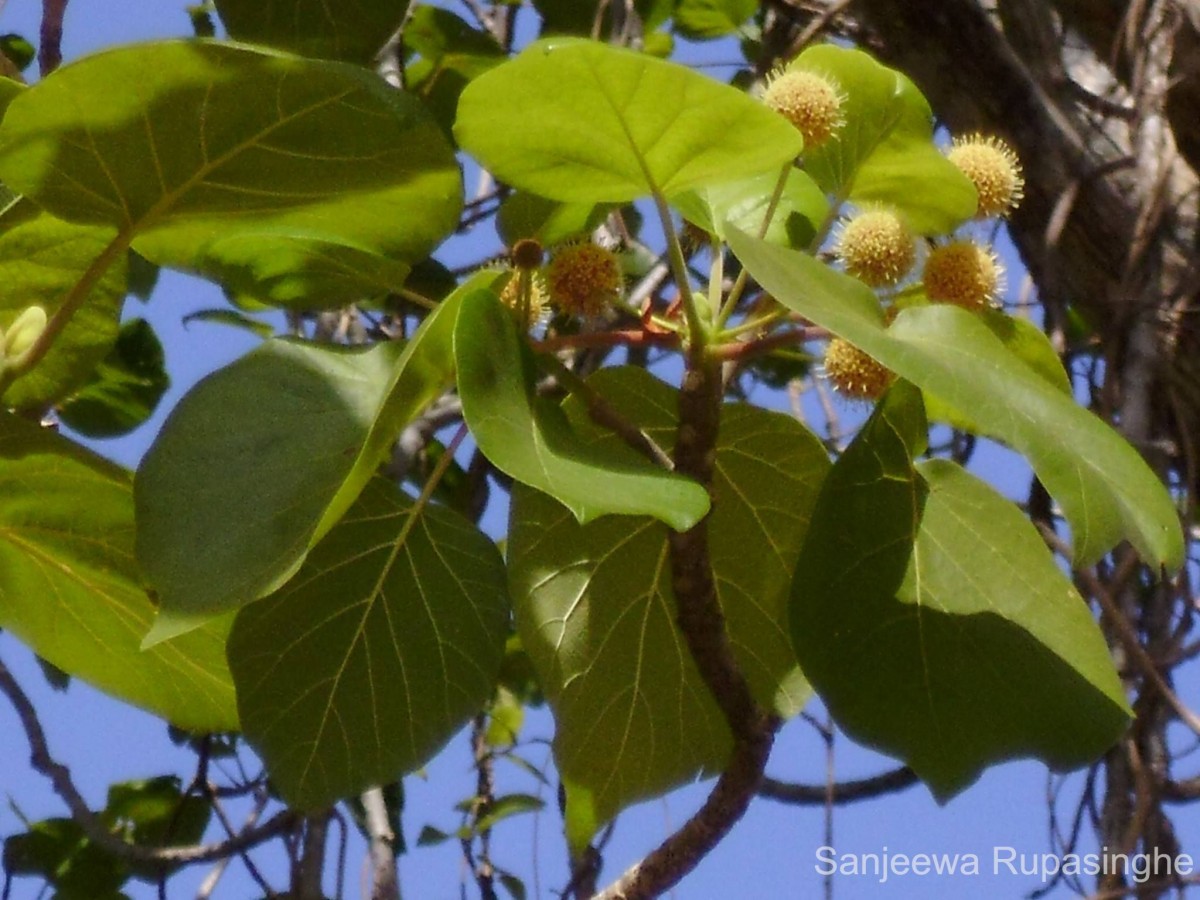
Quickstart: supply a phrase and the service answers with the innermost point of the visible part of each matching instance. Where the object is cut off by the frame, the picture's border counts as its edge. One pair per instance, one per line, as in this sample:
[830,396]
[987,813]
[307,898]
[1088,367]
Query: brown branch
[60,778]
[702,625]
[839,792]
[50,51]
[632,337]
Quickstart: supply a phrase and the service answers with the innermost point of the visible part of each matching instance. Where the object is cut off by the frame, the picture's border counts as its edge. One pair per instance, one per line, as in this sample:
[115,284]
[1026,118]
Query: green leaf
[124,390]
[387,641]
[452,54]
[801,210]
[70,589]
[232,142]
[9,89]
[59,851]
[19,51]
[41,260]
[528,438]
[611,125]
[526,215]
[154,812]
[1025,341]
[596,613]
[355,32]
[1105,488]
[305,273]
[885,152]
[964,644]
[262,457]
[705,20]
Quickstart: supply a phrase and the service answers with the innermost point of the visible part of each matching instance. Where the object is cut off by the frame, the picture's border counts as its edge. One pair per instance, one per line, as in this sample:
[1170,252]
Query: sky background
[771,853]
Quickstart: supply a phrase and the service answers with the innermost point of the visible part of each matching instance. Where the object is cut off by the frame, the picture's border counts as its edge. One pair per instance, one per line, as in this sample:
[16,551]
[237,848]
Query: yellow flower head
[963,273]
[877,247]
[994,169]
[854,373]
[584,279]
[527,312]
[807,100]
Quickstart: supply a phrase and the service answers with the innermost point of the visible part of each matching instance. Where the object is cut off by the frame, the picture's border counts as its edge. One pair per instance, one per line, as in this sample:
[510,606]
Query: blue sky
[772,853]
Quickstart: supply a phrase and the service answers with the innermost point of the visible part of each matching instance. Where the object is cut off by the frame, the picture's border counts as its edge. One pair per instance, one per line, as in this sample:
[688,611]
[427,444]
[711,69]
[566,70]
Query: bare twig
[50,51]
[839,792]
[60,778]
[386,885]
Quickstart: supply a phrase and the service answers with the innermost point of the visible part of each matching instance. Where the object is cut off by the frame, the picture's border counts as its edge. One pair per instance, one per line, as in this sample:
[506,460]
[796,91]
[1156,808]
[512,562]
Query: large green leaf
[596,613]
[885,153]
[41,259]
[451,54]
[799,214]
[354,31]
[578,120]
[529,438]
[261,458]
[227,141]
[382,647]
[1105,488]
[934,622]
[71,590]
[124,390]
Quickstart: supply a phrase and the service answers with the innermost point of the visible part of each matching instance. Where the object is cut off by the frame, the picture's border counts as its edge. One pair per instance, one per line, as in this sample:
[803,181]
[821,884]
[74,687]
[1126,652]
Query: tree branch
[838,793]
[60,778]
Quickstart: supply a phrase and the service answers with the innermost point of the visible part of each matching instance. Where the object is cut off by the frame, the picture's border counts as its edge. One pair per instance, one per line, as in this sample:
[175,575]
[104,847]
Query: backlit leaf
[387,641]
[70,589]
[603,124]
[596,613]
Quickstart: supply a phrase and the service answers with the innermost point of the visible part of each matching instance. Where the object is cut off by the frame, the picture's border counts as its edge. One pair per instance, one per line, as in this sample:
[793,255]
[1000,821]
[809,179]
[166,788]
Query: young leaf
[581,121]
[70,589]
[41,259]
[262,457]
[1106,490]
[705,20]
[528,437]
[385,643]
[801,210]
[355,32]
[886,152]
[934,622]
[596,613]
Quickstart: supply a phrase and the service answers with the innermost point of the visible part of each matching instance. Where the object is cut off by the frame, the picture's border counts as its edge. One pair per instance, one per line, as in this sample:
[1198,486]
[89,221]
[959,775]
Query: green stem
[735,293]
[75,298]
[697,324]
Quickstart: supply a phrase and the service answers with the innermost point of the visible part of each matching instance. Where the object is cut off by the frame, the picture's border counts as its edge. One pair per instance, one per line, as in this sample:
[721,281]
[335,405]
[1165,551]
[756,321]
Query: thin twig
[60,778]
[840,792]
[50,51]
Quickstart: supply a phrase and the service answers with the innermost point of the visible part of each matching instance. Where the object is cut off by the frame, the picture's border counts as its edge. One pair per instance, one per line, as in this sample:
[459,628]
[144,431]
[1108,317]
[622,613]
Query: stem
[735,292]
[696,322]
[75,298]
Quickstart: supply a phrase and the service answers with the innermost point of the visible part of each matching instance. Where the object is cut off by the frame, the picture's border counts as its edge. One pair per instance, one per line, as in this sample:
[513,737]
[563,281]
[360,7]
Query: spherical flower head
[994,169]
[965,274]
[584,279]
[877,247]
[854,373]
[809,101]
[526,312]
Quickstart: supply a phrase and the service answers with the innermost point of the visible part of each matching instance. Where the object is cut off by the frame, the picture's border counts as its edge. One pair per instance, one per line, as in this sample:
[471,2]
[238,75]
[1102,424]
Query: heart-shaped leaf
[934,622]
[384,645]
[1106,490]
[71,590]
[262,457]
[355,32]
[582,121]
[528,437]
[596,613]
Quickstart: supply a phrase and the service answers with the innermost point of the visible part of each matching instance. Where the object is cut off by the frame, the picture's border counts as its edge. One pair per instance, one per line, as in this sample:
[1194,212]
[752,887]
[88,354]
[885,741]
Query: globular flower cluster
[584,279]
[811,102]
[877,247]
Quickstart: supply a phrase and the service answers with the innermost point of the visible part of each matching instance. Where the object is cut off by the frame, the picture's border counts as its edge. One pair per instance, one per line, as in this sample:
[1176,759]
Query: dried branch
[50,51]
